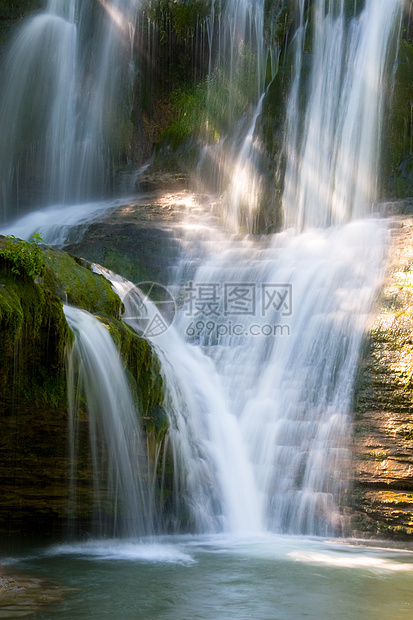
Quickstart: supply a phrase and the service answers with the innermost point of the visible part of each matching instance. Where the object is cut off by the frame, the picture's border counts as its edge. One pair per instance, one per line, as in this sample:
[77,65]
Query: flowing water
[238,57]
[62,89]
[221,578]
[259,364]
[282,321]
[120,468]
[333,144]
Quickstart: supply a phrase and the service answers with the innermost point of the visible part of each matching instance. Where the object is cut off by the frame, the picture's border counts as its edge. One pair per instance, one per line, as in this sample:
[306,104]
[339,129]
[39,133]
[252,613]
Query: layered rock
[382,495]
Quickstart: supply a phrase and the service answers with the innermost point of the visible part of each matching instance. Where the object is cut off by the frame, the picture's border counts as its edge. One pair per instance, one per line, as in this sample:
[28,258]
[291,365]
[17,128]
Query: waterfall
[64,86]
[285,341]
[244,188]
[333,144]
[213,477]
[239,47]
[260,363]
[96,379]
[238,57]
[283,320]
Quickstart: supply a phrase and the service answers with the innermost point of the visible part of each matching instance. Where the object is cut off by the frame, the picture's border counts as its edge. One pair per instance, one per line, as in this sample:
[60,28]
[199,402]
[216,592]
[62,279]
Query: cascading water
[283,323]
[213,480]
[259,398]
[244,189]
[240,42]
[62,90]
[120,468]
[333,144]
[285,343]
[230,165]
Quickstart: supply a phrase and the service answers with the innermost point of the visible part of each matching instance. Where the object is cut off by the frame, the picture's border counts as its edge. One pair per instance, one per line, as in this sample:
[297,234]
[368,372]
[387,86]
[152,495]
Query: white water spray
[333,147]
[237,67]
[213,476]
[119,463]
[260,415]
[243,192]
[61,91]
[288,380]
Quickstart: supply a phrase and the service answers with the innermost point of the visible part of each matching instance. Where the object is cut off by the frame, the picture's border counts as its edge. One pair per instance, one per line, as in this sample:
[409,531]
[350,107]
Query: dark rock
[136,241]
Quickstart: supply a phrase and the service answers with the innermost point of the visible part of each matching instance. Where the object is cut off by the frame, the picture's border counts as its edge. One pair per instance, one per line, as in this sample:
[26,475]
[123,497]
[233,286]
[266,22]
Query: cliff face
[34,441]
[382,495]
[11,12]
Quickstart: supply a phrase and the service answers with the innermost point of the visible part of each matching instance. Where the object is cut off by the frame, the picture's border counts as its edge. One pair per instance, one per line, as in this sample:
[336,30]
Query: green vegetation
[34,339]
[208,109]
[144,374]
[179,16]
[25,257]
[188,114]
[73,281]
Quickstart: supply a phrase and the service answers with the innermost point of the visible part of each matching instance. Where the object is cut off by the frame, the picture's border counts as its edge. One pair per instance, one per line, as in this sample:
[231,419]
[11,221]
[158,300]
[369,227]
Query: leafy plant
[26,257]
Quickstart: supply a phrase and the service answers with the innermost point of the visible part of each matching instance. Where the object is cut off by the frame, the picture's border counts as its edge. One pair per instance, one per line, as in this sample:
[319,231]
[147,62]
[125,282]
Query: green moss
[118,262]
[189,114]
[73,281]
[11,318]
[279,17]
[178,16]
[34,337]
[209,108]
[144,373]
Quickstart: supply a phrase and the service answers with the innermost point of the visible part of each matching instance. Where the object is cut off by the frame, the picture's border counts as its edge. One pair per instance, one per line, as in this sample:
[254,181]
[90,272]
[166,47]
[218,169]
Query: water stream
[64,84]
[121,471]
[260,361]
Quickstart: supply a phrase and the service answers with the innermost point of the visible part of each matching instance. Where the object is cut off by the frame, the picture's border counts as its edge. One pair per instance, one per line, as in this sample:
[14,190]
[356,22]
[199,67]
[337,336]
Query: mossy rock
[279,16]
[73,281]
[33,410]
[144,372]
[34,333]
[34,337]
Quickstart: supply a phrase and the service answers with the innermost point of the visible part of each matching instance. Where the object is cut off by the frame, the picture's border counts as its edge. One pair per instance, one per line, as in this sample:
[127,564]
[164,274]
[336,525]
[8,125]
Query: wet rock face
[137,240]
[34,457]
[382,496]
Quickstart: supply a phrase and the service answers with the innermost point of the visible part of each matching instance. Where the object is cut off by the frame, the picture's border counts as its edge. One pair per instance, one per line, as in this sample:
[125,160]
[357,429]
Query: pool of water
[220,578]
